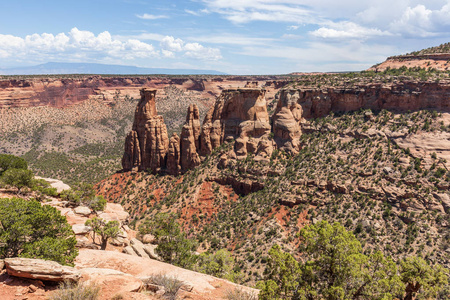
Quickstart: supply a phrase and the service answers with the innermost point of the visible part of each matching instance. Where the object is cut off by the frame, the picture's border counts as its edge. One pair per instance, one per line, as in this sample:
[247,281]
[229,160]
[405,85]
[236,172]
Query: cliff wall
[61,92]
[401,97]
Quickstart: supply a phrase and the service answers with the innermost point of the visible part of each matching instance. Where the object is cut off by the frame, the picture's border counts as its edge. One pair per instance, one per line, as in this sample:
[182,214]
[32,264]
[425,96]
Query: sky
[232,36]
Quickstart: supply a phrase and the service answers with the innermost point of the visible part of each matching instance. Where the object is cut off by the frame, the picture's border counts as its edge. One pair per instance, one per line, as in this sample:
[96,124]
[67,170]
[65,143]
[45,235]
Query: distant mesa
[434,57]
[91,68]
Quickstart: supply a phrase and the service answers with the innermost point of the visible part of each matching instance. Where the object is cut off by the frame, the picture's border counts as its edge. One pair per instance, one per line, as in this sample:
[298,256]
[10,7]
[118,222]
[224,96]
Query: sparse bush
[240,294]
[74,291]
[171,285]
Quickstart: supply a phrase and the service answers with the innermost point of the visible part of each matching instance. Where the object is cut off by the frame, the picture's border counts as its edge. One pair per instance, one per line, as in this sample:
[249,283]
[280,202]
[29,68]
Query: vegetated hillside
[84,142]
[431,58]
[367,170]
[443,48]
[72,127]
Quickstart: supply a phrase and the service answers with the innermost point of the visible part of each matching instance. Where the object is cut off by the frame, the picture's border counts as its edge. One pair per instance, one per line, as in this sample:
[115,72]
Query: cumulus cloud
[192,50]
[198,51]
[348,18]
[172,44]
[81,45]
[151,17]
[76,44]
[423,22]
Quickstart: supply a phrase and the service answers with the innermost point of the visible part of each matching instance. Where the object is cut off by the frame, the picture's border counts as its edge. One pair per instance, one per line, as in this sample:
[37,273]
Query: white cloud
[347,30]
[172,44]
[151,17]
[192,50]
[73,46]
[423,22]
[244,11]
[370,18]
[81,45]
[195,50]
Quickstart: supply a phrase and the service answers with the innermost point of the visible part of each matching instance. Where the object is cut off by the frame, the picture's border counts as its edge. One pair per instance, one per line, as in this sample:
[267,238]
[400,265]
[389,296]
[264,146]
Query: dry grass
[239,294]
[76,291]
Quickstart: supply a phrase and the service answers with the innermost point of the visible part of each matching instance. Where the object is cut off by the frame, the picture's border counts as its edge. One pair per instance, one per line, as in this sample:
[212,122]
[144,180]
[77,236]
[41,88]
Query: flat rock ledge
[40,269]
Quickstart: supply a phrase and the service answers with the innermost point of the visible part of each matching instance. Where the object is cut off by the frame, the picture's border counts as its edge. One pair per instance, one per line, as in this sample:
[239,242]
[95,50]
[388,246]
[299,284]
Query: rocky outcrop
[401,96]
[437,61]
[174,155]
[146,146]
[212,130]
[286,128]
[240,115]
[40,269]
[190,139]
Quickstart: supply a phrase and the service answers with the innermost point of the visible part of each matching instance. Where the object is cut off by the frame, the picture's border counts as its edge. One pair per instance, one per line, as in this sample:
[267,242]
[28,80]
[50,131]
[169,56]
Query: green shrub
[31,230]
[11,162]
[18,178]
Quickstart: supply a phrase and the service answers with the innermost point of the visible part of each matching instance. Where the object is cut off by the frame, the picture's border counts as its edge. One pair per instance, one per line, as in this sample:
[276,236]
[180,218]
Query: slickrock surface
[40,269]
[204,286]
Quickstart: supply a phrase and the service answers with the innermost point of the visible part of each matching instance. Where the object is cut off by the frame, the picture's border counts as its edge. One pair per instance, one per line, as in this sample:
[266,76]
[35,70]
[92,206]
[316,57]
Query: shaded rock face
[190,139]
[239,114]
[286,128]
[401,97]
[173,155]
[147,144]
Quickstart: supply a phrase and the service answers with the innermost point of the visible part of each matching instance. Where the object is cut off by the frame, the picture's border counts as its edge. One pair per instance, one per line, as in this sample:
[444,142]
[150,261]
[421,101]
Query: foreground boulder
[40,269]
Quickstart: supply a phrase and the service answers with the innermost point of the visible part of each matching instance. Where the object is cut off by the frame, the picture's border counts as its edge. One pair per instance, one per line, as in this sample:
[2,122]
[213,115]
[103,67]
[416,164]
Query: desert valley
[297,186]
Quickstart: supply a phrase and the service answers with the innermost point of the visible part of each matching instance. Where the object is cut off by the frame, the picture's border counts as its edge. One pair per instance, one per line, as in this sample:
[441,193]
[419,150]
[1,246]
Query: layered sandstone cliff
[54,91]
[401,96]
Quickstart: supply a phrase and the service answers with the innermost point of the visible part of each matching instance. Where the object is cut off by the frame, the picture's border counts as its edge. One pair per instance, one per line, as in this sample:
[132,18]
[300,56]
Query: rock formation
[173,155]
[190,139]
[40,269]
[147,144]
[239,114]
[286,126]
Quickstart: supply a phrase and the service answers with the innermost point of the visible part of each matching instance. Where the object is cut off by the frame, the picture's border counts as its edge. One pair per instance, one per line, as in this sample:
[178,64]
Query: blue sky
[233,36]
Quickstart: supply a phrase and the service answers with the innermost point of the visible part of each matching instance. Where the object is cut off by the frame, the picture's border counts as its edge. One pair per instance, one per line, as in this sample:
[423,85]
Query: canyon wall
[60,92]
[401,97]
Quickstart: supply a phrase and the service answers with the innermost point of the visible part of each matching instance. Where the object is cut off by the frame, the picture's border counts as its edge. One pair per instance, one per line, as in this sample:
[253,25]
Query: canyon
[241,115]
[63,91]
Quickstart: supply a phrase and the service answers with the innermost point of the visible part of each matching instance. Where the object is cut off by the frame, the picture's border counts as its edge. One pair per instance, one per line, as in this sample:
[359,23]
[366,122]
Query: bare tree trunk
[104,243]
